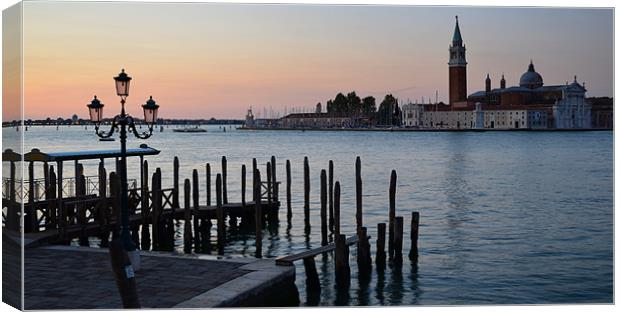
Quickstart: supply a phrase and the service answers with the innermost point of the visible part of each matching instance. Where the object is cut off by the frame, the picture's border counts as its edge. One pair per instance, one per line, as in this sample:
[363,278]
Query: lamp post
[122,123]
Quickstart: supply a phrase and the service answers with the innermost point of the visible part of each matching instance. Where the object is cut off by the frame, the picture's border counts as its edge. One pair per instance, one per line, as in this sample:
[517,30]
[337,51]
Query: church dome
[531,79]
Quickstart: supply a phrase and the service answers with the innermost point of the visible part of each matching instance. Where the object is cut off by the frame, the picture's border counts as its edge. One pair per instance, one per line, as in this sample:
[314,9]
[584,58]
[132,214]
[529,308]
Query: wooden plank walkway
[288,260]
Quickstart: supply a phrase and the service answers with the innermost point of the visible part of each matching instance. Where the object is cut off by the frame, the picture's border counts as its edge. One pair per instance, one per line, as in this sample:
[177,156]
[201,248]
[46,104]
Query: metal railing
[22,187]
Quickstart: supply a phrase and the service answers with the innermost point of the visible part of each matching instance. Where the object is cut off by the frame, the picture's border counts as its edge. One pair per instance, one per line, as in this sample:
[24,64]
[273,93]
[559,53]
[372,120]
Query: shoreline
[423,129]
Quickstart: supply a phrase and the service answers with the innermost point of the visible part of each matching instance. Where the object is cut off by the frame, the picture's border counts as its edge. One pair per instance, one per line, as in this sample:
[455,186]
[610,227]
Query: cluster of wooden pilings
[330,193]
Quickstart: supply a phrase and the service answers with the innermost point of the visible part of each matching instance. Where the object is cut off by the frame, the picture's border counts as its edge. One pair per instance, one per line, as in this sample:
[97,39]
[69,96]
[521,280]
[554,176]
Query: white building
[573,111]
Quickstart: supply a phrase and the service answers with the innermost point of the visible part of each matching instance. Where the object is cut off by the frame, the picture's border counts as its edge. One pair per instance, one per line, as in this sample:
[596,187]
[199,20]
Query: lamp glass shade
[122,83]
[95,109]
[150,111]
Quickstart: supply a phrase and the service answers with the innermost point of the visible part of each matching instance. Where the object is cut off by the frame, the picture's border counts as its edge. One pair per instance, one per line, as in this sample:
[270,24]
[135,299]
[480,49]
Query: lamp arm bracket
[144,135]
[109,133]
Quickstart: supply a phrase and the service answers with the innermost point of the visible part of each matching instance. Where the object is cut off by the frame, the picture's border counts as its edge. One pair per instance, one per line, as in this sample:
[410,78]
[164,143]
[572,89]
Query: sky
[202,60]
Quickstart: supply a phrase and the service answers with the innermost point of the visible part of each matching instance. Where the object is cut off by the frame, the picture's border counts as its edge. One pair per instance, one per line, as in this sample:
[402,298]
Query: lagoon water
[506,217]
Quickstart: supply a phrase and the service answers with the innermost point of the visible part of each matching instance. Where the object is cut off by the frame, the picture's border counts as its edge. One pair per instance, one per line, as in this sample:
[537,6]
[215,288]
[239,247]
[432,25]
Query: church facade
[531,104]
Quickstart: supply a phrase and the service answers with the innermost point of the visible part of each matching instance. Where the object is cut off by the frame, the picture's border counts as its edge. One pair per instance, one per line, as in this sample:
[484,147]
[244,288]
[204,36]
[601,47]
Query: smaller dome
[531,79]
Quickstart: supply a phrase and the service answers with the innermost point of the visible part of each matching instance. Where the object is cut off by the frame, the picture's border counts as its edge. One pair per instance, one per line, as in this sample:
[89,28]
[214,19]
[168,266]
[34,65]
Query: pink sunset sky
[202,60]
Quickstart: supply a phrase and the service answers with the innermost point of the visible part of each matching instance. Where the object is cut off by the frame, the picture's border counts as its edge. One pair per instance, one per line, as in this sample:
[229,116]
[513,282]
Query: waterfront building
[318,120]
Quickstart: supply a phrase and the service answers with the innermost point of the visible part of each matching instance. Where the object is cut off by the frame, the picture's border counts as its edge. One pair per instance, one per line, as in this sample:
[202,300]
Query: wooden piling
[224,180]
[337,208]
[380,256]
[254,168]
[81,213]
[104,212]
[415,223]
[392,214]
[51,222]
[145,232]
[175,182]
[46,180]
[14,208]
[358,195]
[269,184]
[31,213]
[196,204]
[312,277]
[274,178]
[258,215]
[331,195]
[323,207]
[208,184]
[220,214]
[343,271]
[306,193]
[155,209]
[364,259]
[187,227]
[398,238]
[289,212]
[115,192]
[243,186]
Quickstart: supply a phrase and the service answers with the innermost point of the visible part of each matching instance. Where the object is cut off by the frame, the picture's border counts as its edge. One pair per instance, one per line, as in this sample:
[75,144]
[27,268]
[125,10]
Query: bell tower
[458,67]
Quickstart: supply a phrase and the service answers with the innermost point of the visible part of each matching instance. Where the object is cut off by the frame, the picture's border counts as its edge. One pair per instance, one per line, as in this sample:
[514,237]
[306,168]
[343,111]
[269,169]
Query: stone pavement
[64,277]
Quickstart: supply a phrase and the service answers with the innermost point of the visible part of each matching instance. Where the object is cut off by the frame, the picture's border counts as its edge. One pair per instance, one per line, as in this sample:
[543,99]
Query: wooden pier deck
[69,277]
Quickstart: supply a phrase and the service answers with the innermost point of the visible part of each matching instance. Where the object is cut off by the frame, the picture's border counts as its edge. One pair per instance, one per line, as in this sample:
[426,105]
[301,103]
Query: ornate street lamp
[123,122]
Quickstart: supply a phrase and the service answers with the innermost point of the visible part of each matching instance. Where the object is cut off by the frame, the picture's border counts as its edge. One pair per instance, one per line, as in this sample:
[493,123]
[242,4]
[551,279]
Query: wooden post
[289,212]
[358,195]
[306,193]
[31,222]
[220,214]
[254,168]
[337,208]
[103,213]
[46,179]
[187,226]
[224,180]
[208,184]
[146,233]
[51,222]
[81,213]
[312,277]
[59,205]
[175,182]
[364,261]
[392,214]
[380,257]
[269,186]
[124,275]
[258,215]
[415,223]
[243,185]
[155,207]
[196,200]
[115,193]
[13,209]
[323,207]
[331,195]
[274,178]
[343,271]
[398,238]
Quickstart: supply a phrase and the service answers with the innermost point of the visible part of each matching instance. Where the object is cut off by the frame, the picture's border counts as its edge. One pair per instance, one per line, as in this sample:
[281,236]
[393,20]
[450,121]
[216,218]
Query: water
[506,217]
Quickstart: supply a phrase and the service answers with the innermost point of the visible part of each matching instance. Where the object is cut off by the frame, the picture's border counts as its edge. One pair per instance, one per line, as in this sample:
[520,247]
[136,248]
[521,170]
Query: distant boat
[195,129]
[106,139]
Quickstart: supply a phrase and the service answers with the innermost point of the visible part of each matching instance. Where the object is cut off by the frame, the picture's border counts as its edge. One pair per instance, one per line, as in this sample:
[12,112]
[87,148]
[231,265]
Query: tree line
[352,105]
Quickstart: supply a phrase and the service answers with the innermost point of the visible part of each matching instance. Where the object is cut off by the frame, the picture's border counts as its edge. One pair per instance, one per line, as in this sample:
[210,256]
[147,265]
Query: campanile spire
[457,67]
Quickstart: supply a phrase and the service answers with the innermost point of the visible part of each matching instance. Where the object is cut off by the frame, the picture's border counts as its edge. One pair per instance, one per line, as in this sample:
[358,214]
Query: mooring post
[224,180]
[323,207]
[208,184]
[274,178]
[269,186]
[145,232]
[289,211]
[104,212]
[331,195]
[187,226]
[380,256]
[46,180]
[175,182]
[124,275]
[14,208]
[306,193]
[343,271]
[243,186]
[196,202]
[258,215]
[392,214]
[62,224]
[155,201]
[337,208]
[358,195]
[415,223]
[220,214]
[254,168]
[364,259]
[31,222]
[81,215]
[398,238]
[51,222]
[115,191]
[312,277]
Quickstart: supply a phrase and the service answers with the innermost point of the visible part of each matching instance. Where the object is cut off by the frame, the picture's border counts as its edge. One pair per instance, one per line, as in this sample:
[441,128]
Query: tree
[341,105]
[355,104]
[330,106]
[318,108]
[369,106]
[387,109]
